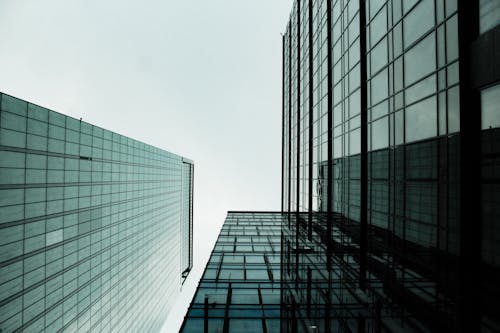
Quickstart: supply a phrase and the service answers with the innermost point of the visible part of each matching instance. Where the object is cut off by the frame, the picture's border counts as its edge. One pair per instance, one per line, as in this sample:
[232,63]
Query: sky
[199,78]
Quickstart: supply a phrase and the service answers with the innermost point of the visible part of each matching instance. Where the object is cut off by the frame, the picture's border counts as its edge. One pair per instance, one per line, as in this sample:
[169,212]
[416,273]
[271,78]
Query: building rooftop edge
[65,115]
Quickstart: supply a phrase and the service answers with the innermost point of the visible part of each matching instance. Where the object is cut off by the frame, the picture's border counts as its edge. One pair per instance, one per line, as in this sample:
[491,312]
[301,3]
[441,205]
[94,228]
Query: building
[391,173]
[95,227]
[240,288]
[391,166]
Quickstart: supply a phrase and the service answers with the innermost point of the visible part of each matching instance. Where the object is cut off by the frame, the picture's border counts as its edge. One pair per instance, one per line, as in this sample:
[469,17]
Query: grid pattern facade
[240,288]
[90,225]
[375,94]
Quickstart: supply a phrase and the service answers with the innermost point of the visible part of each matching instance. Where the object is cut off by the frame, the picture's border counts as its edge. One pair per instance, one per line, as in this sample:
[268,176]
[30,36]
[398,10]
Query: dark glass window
[490,107]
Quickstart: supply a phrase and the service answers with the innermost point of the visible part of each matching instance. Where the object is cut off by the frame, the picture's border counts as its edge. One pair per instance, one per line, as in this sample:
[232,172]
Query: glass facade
[95,227]
[240,288]
[390,179]
[381,124]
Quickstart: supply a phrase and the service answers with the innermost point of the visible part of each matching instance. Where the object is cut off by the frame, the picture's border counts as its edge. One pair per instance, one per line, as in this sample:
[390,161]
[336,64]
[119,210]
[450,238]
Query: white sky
[199,78]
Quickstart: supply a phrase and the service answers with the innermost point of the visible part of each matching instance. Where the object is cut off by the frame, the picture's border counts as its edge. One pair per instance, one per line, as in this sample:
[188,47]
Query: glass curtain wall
[240,288]
[412,205]
[89,225]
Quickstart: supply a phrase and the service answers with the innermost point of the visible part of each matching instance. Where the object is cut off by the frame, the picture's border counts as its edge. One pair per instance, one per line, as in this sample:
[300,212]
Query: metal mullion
[24,216]
[297,194]
[329,166]
[470,174]
[363,246]
[311,106]
[282,121]
[289,123]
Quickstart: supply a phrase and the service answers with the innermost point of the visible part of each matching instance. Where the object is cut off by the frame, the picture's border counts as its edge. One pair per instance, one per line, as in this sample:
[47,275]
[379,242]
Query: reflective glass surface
[240,288]
[412,207]
[90,225]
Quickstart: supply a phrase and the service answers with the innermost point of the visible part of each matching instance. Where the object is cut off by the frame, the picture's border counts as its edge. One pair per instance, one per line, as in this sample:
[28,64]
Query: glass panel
[420,60]
[245,325]
[420,90]
[418,21]
[379,87]
[489,14]
[453,110]
[378,27]
[354,103]
[408,4]
[421,120]
[14,105]
[442,113]
[490,103]
[378,56]
[53,237]
[10,159]
[355,142]
[379,110]
[337,147]
[12,138]
[451,39]
[380,133]
[13,121]
[244,296]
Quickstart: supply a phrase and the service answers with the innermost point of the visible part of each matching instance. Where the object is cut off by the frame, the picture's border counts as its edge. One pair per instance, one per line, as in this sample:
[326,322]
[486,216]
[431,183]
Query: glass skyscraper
[390,174]
[391,166]
[95,228]
[240,288]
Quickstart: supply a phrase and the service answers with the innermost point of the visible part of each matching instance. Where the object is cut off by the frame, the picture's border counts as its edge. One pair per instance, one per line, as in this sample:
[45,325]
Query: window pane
[399,127]
[489,14]
[490,102]
[420,60]
[379,56]
[355,142]
[380,133]
[379,87]
[245,325]
[421,89]
[452,39]
[453,110]
[418,21]
[421,120]
[378,27]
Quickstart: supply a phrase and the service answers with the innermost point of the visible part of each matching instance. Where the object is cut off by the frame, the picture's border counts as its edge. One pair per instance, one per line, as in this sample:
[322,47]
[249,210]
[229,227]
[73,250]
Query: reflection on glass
[490,107]
[417,22]
[378,56]
[355,142]
[453,110]
[380,131]
[421,89]
[337,147]
[378,27]
[379,87]
[421,120]
[420,60]
[399,127]
[452,39]
[489,14]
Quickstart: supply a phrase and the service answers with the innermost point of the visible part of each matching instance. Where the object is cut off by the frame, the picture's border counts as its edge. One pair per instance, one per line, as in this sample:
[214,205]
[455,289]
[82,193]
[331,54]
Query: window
[418,21]
[420,60]
[490,102]
[378,56]
[380,133]
[489,14]
[421,120]
[421,89]
[379,88]
[378,27]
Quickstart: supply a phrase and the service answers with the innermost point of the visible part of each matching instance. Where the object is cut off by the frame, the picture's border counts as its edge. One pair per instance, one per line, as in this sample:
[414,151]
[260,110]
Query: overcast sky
[199,78]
